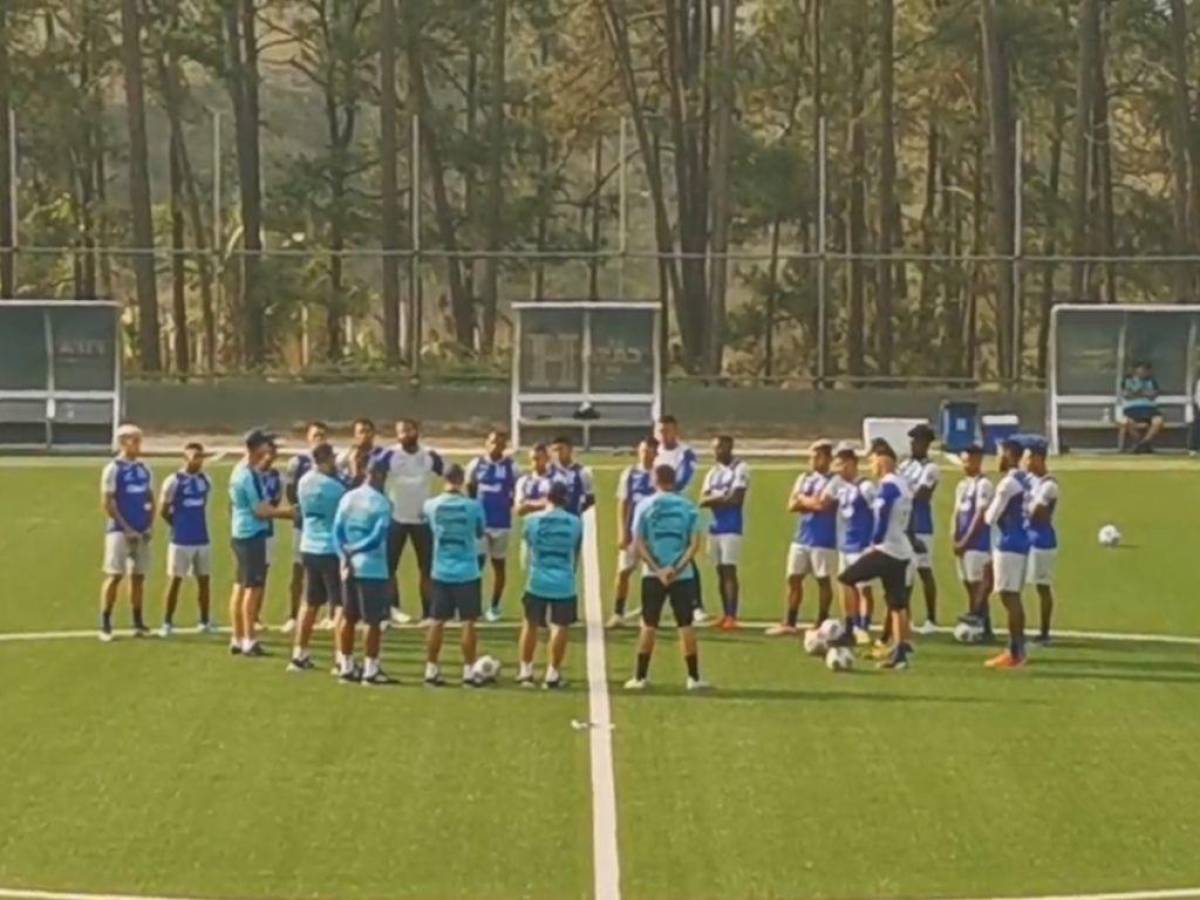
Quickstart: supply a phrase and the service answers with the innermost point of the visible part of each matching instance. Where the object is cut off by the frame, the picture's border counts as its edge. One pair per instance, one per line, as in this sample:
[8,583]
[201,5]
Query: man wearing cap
[360,538]
[1043,539]
[973,537]
[923,475]
[814,547]
[856,527]
[458,524]
[301,464]
[127,496]
[251,514]
[724,495]
[184,507]
[413,470]
[635,485]
[1010,550]
[891,552]
[318,494]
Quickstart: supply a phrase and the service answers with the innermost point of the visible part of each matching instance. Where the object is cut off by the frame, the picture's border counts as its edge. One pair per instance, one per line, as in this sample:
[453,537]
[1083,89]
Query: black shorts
[891,572]
[420,535]
[368,600]
[322,579]
[1143,415]
[539,611]
[462,600]
[251,556]
[682,595]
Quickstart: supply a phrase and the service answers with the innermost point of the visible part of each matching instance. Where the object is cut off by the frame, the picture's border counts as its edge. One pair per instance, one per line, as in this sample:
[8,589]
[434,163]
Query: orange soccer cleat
[1005,661]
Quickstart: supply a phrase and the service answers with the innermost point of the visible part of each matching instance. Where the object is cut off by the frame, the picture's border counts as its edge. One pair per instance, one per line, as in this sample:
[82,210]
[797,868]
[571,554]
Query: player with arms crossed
[673,452]
[576,477]
[1043,539]
[890,554]
[533,488]
[923,476]
[856,530]
[1010,551]
[127,497]
[554,538]
[635,485]
[666,529]
[814,548]
[492,480]
[973,538]
[184,507]
[458,525]
[300,465]
[724,494]
[412,473]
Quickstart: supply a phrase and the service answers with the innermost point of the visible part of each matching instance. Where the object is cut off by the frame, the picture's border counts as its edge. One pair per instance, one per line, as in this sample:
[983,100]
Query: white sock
[551,674]
[370,666]
[431,670]
[526,670]
[247,643]
[347,665]
[467,675]
[337,657]
[299,652]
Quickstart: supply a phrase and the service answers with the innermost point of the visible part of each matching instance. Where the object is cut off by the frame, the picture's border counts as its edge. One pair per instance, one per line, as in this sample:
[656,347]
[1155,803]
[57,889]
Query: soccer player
[724,495]
[666,529]
[184,507]
[272,482]
[554,538]
[251,513]
[350,469]
[576,477]
[891,552]
[973,536]
[1043,550]
[318,494]
[856,529]
[814,547]
[923,476]
[635,485]
[412,470]
[360,537]
[127,495]
[458,524]
[533,488]
[673,452]
[492,480]
[315,434]
[1010,551]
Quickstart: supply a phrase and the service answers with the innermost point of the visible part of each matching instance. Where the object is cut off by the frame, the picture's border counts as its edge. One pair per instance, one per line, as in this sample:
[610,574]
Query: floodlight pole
[822,201]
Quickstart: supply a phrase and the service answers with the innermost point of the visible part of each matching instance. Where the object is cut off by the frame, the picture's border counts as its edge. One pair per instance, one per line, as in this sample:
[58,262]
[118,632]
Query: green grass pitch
[167,768]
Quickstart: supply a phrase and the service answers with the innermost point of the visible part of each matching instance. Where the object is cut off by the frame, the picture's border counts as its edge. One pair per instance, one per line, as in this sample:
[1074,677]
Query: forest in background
[984,160]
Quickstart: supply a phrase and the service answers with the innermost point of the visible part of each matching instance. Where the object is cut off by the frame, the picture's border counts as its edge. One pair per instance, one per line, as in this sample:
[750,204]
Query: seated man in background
[1141,420]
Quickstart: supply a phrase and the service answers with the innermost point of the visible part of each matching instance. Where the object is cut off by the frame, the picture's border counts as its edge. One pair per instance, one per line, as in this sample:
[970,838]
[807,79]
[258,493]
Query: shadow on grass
[1100,675]
[1192,666]
[671,692]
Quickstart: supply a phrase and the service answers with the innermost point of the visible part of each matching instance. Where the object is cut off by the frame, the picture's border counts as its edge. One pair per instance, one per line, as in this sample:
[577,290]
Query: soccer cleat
[555,685]
[399,616]
[304,664]
[782,629]
[205,628]
[728,623]
[896,662]
[1043,640]
[616,620]
[435,680]
[492,614]
[701,617]
[526,681]
[473,681]
[140,630]
[235,650]
[636,684]
[288,627]
[880,650]
[1005,661]
[862,637]
[105,635]
[379,679]
[352,676]
[256,651]
[165,630]
[927,627]
[697,684]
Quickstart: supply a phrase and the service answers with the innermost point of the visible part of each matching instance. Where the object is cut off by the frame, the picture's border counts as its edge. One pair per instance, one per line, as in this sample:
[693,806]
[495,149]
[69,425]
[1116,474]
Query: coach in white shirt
[413,472]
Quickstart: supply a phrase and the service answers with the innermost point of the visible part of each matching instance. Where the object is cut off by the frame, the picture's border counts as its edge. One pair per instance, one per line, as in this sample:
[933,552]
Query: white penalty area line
[1169,894]
[31,894]
[606,864]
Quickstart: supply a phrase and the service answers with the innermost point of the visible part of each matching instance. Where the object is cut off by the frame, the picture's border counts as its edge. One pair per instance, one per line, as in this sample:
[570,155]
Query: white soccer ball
[1109,536]
[814,644]
[968,633]
[831,631]
[487,668]
[839,659]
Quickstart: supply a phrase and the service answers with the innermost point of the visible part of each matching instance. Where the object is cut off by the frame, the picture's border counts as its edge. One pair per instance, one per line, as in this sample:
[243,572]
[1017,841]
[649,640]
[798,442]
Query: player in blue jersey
[673,452]
[973,538]
[458,525]
[492,480]
[856,529]
[127,498]
[666,528]
[635,485]
[724,495]
[533,488]
[1010,549]
[315,434]
[184,507]
[814,547]
[576,477]
[923,476]
[355,460]
[272,480]
[318,495]
[360,538]
[1041,505]
[553,538]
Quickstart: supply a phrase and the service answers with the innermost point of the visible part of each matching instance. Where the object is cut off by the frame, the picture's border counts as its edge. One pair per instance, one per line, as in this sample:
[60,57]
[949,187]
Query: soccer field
[165,768]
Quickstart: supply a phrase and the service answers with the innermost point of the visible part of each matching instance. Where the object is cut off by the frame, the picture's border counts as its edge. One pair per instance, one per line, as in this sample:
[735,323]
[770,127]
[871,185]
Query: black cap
[921,431]
[258,437]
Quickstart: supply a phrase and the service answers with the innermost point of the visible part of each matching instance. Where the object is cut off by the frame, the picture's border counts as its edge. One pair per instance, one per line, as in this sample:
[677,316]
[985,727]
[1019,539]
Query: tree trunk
[139,188]
[183,355]
[389,182]
[1104,170]
[722,188]
[1089,39]
[925,300]
[856,216]
[1180,134]
[1050,245]
[495,186]
[885,332]
[597,186]
[7,200]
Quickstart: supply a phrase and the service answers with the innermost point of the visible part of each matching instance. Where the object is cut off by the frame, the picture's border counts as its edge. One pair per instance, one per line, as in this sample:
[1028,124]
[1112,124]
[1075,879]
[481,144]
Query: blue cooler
[959,425]
[996,428]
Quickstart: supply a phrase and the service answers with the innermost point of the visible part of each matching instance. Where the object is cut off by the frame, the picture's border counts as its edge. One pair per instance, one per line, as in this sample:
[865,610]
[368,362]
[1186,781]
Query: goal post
[60,375]
[587,369]
[1093,347]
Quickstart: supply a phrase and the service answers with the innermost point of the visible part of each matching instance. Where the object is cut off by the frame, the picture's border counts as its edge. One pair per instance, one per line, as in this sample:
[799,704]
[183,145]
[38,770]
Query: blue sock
[106,621]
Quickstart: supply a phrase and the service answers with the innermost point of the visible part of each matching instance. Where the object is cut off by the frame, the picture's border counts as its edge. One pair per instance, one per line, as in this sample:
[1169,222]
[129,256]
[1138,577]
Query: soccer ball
[487,668]
[1109,536]
[814,644]
[839,659]
[968,632]
[831,631]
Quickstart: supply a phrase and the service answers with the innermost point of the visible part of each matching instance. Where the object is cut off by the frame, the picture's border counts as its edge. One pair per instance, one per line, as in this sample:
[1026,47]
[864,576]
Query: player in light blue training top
[492,480]
[299,466]
[127,493]
[184,507]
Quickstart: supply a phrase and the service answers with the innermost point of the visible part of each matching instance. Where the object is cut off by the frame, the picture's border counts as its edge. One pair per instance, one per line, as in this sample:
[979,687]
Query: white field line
[1115,636]
[605,859]
[31,894]
[1169,894]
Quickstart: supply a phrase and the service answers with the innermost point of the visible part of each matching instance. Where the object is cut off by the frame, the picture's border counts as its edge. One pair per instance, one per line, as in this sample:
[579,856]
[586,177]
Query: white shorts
[846,560]
[1041,566]
[1009,571]
[725,549]
[125,557]
[971,565]
[185,561]
[817,562]
[924,560]
[494,543]
[627,559]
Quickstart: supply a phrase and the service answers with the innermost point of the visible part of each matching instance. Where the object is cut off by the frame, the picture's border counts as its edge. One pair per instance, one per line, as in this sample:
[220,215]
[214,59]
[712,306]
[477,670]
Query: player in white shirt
[724,495]
[973,537]
[533,488]
[673,452]
[923,476]
[414,473]
[1043,538]
[1010,549]
[635,485]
